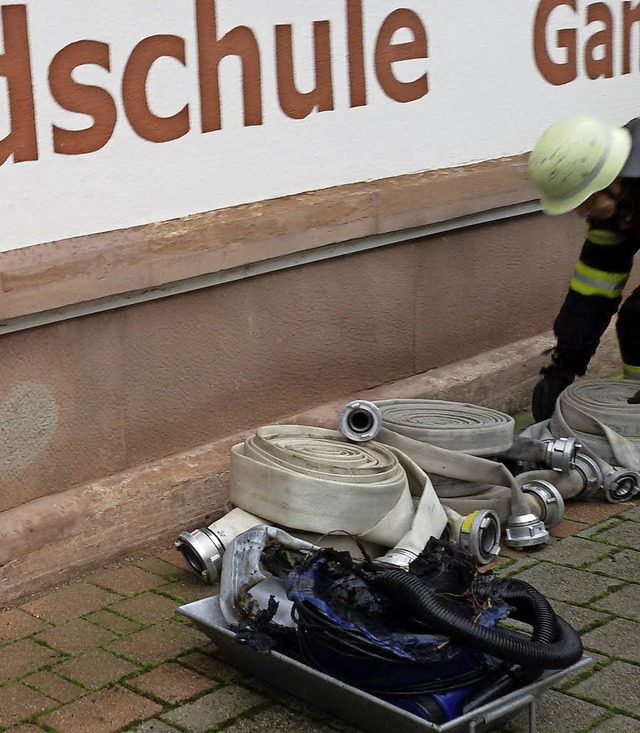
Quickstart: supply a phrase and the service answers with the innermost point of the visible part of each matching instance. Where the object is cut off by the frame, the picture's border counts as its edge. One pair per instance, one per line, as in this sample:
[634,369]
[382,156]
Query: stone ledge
[57,538]
[71,271]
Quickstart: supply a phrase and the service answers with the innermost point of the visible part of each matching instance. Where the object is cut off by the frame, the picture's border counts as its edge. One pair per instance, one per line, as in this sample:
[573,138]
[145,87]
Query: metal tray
[349,703]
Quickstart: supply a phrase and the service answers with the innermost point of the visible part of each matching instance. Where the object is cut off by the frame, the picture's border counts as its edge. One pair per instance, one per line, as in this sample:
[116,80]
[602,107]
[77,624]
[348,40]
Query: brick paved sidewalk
[108,652]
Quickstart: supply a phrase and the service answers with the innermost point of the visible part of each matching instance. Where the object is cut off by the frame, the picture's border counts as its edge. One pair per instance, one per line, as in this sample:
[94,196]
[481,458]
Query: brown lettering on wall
[630,16]
[239,41]
[355,47]
[298,104]
[134,90]
[15,66]
[603,66]
[387,53]
[90,100]
[556,73]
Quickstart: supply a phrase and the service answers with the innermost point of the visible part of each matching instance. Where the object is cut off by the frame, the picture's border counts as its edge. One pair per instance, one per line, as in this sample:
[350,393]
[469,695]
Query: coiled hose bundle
[434,628]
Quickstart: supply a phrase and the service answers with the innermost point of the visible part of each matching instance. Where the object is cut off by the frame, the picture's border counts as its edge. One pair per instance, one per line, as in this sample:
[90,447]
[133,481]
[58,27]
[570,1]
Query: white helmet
[575,158]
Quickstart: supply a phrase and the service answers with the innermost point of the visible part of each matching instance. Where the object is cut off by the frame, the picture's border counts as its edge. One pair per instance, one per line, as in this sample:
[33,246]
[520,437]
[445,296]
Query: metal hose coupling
[621,484]
[561,453]
[592,477]
[528,529]
[549,499]
[360,421]
[204,548]
[478,533]
[616,485]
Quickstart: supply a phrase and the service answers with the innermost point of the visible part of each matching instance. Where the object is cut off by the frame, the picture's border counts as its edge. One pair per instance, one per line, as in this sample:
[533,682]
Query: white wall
[486,99]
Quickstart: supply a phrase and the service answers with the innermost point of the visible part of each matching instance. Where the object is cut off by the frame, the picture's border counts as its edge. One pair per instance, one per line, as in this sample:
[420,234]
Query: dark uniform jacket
[595,292]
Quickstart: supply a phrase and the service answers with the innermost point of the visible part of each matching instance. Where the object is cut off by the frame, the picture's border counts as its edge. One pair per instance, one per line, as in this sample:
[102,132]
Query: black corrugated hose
[553,643]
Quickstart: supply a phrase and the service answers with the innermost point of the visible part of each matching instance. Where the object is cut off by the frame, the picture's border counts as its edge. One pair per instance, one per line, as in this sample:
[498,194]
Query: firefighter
[581,164]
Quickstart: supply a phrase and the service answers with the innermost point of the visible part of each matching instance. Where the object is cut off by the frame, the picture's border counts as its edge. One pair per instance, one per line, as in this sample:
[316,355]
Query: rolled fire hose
[312,479]
[597,414]
[453,440]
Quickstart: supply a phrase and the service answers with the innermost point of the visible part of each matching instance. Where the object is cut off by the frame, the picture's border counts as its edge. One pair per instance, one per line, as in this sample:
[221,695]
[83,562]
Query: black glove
[546,392]
[635,400]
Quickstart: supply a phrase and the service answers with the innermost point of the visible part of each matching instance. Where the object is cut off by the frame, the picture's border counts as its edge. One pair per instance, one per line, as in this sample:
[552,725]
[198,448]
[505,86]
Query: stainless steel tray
[355,706]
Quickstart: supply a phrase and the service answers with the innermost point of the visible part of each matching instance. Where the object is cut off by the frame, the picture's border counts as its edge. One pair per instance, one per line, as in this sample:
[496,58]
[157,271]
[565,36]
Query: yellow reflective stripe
[589,281]
[601,275]
[605,237]
[631,372]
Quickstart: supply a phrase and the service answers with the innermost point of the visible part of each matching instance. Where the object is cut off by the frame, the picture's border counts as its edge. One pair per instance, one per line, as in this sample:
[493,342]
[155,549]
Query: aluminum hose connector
[478,533]
[557,454]
[360,421]
[204,548]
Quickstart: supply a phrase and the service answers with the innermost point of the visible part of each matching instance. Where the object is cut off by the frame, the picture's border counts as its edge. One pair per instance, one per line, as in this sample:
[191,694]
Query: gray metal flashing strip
[330,251]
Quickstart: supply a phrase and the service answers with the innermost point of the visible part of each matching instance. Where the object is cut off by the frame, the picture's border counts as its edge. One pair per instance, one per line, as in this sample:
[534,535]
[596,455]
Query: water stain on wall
[28,421]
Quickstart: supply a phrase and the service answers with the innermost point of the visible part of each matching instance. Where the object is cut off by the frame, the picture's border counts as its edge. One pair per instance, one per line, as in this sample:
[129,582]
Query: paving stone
[213,709]
[18,702]
[623,564]
[97,668]
[590,512]
[619,638]
[515,554]
[172,682]
[102,712]
[558,713]
[164,569]
[165,641]
[578,617]
[209,665]
[574,551]
[278,719]
[594,531]
[148,608]
[15,624]
[76,636]
[619,724]
[53,686]
[494,565]
[128,580]
[633,514]
[24,656]
[564,684]
[113,622]
[72,602]
[515,568]
[175,557]
[566,584]
[624,534]
[189,590]
[623,602]
[566,528]
[616,685]
[155,726]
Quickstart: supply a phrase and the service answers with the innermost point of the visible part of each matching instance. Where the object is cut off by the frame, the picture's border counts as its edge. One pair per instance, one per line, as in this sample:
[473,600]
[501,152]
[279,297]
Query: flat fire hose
[450,439]
[313,479]
[596,412]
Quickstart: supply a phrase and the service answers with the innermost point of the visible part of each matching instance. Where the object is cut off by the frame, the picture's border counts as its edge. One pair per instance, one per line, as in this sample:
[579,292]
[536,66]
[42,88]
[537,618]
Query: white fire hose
[456,443]
[596,413]
[314,480]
